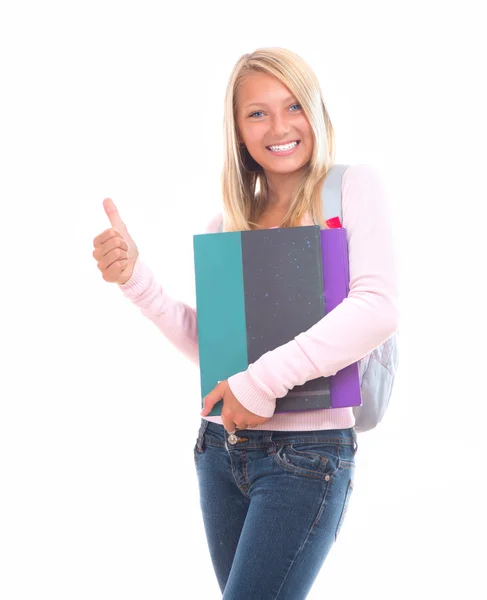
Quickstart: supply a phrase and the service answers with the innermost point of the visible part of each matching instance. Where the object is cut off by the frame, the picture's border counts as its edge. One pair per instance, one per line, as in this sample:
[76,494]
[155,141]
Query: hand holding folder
[235,412]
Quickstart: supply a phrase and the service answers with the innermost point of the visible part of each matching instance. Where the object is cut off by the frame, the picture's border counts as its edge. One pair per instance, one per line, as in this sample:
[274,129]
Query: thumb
[210,400]
[113,215]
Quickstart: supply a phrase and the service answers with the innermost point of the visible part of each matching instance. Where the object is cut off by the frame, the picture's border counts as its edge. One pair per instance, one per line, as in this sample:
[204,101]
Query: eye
[260,111]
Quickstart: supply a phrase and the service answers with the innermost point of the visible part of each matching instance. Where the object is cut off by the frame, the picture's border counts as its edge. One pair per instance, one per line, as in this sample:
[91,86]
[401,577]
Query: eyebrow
[264,104]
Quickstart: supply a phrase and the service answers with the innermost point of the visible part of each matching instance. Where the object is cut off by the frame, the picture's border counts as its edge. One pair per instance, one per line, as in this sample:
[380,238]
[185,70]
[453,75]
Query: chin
[289,168]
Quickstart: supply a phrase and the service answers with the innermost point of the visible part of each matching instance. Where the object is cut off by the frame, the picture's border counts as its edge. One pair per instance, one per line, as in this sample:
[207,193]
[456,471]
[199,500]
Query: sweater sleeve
[175,319]
[364,320]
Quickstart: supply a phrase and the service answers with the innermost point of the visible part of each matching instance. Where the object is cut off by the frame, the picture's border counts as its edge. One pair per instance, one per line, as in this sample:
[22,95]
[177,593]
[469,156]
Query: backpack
[377,369]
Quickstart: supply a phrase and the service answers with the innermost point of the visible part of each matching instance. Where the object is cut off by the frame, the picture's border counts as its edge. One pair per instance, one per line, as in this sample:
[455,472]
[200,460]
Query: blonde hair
[243,203]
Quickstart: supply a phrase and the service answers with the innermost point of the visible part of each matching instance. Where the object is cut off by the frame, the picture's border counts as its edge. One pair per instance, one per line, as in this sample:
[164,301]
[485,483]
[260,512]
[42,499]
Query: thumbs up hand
[115,250]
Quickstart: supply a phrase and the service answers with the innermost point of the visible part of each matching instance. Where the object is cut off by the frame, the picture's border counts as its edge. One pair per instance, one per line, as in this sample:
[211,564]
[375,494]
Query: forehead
[261,88]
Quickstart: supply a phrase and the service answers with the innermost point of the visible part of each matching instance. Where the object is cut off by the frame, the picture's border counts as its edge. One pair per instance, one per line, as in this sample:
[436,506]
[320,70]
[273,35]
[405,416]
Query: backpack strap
[331,194]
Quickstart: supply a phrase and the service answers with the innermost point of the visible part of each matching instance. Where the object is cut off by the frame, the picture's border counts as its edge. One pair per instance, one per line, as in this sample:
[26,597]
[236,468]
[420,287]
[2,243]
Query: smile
[284,149]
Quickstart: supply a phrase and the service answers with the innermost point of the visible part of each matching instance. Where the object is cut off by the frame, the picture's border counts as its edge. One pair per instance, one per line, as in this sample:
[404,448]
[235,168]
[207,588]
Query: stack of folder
[257,290]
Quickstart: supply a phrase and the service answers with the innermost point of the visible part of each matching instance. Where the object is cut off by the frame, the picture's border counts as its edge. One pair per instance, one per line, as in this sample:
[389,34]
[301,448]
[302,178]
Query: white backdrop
[99,413]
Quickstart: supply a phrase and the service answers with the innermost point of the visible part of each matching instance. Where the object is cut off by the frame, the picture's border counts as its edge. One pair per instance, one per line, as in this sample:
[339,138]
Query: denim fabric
[272,504]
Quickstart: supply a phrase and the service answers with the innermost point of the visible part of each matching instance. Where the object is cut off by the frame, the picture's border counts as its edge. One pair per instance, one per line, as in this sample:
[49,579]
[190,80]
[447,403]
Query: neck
[281,187]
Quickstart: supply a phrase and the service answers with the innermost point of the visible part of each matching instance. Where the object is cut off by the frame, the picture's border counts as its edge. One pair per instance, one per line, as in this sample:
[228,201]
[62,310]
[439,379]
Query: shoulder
[361,174]
[213,224]
[366,202]
[363,193]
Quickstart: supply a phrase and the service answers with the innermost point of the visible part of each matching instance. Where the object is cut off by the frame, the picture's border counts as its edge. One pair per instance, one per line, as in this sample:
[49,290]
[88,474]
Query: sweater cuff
[250,395]
[138,282]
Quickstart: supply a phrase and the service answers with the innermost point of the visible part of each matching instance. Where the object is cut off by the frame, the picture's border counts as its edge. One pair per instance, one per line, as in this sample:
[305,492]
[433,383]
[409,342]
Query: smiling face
[268,115]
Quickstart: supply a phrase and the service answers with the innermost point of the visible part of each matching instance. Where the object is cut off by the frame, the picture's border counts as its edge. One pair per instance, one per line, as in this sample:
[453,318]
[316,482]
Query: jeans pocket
[345,507]
[309,459]
[199,446]
[196,452]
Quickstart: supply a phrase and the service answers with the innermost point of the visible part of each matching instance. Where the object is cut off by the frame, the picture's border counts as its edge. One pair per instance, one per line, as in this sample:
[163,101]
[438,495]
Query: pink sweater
[365,319]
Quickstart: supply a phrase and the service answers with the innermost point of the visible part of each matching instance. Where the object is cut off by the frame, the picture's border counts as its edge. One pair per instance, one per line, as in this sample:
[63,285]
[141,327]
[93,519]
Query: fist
[115,250]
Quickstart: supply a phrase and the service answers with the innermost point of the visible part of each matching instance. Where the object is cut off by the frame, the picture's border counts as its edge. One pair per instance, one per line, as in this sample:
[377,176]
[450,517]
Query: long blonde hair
[243,181]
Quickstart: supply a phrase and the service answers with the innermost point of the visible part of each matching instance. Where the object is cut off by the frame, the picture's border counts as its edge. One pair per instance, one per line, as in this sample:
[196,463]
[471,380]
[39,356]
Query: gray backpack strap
[331,193]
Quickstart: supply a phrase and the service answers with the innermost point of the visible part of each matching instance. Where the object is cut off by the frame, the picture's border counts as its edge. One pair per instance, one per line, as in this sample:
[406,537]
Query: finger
[115,270]
[113,214]
[109,245]
[105,236]
[112,257]
[210,400]
[228,423]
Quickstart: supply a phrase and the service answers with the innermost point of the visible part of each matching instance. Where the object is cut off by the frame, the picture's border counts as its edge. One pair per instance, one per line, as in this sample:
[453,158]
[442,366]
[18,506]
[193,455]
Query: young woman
[274,488]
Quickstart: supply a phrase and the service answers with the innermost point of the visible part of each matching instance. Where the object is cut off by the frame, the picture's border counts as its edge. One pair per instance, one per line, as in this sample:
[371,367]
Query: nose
[279,125]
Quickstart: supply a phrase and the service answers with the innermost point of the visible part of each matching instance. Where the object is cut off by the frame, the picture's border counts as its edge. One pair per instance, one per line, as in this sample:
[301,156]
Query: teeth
[284,147]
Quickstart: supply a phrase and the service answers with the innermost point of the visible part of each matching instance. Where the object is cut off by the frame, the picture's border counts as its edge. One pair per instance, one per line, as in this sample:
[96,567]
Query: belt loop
[272,443]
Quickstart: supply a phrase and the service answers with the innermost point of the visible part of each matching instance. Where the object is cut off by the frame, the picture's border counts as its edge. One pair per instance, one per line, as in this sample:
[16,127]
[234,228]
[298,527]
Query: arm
[175,319]
[366,318]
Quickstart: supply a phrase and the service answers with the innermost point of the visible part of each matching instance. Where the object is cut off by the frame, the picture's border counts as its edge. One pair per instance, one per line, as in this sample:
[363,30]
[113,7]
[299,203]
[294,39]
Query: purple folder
[345,384]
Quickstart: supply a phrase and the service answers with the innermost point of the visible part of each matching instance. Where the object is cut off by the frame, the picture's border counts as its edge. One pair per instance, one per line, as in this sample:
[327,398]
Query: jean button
[327,478]
[232,438]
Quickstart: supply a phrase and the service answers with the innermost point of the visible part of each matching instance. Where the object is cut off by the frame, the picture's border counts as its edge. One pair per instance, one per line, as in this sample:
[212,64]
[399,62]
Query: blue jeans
[273,503]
